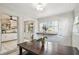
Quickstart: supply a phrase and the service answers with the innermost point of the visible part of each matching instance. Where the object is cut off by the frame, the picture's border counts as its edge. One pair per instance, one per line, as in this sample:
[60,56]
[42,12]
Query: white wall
[65,27]
[75,37]
[20,29]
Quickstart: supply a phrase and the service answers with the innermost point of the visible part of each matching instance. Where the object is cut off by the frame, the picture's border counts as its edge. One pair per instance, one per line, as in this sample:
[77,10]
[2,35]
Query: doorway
[8,34]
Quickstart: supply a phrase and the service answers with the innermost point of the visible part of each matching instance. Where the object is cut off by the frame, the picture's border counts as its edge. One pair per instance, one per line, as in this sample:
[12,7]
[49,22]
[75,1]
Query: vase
[43,42]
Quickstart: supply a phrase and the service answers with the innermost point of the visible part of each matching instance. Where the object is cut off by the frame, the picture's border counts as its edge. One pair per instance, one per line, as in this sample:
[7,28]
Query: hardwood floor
[69,52]
[50,49]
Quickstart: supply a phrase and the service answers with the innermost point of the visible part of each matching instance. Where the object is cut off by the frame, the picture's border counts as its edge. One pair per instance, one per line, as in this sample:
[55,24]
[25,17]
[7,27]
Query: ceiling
[28,10]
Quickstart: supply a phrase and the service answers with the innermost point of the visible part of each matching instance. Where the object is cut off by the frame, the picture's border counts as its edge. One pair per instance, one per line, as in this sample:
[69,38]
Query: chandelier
[40,6]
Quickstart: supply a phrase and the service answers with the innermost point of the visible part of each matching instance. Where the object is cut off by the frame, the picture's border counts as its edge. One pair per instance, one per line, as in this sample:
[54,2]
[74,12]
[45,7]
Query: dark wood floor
[67,51]
[48,48]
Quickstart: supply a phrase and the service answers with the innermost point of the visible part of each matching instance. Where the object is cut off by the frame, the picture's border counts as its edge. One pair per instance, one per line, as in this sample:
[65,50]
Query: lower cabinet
[9,36]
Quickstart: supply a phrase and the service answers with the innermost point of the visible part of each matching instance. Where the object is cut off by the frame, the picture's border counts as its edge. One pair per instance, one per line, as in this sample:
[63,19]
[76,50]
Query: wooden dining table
[49,48]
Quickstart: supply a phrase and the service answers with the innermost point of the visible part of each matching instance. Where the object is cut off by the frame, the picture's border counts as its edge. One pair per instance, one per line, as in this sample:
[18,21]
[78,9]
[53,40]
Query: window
[76,25]
[50,26]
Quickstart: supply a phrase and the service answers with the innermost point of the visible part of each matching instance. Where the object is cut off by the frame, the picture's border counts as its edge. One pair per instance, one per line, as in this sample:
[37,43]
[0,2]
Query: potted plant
[42,40]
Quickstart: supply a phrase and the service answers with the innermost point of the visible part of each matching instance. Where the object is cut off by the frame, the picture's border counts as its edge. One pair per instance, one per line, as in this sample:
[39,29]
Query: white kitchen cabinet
[9,36]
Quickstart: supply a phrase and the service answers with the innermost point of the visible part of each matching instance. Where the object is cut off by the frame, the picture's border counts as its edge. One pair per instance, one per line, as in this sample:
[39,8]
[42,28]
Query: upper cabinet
[8,24]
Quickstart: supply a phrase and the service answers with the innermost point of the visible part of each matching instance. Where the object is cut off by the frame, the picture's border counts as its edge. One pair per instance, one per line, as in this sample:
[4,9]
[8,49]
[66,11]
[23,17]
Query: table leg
[20,51]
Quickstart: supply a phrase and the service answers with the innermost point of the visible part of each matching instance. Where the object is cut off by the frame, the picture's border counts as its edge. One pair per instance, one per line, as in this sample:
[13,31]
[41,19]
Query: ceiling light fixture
[40,6]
